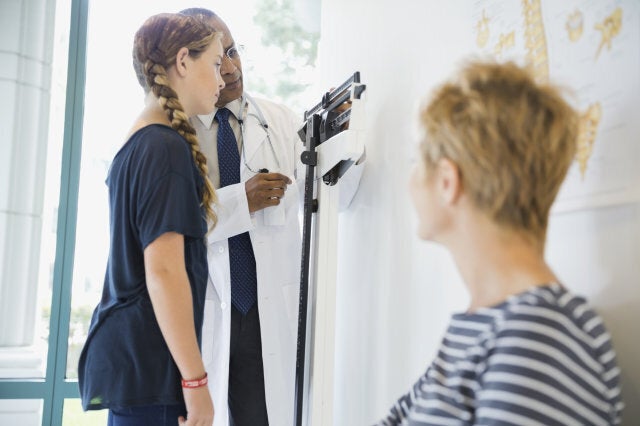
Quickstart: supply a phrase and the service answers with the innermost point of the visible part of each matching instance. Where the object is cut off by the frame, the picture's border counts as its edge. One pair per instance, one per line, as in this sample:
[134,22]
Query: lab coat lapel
[254,137]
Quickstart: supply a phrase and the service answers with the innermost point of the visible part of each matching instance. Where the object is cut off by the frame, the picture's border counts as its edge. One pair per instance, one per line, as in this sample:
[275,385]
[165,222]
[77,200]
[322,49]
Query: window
[62,135]
[35,194]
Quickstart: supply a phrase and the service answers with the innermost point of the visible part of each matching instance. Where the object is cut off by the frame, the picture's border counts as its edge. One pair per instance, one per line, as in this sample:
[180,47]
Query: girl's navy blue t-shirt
[154,188]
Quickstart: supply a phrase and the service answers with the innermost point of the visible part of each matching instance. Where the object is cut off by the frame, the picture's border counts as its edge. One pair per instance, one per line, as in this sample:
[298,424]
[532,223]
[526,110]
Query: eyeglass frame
[234,51]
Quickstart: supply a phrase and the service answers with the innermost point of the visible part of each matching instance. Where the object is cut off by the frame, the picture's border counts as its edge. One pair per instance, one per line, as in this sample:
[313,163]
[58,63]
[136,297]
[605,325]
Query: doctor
[249,347]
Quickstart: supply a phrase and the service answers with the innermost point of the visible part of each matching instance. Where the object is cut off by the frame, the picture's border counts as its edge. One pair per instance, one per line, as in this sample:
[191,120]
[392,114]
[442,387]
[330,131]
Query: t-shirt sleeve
[169,199]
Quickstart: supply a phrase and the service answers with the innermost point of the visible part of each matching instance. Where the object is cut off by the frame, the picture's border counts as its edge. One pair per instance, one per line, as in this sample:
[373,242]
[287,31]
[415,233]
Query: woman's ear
[448,181]
[181,61]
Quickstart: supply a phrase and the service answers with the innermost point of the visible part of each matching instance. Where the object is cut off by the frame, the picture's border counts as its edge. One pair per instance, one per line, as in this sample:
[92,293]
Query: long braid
[155,46]
[169,101]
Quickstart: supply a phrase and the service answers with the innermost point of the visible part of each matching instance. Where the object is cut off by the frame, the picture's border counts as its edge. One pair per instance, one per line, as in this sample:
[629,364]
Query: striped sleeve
[398,415]
[550,367]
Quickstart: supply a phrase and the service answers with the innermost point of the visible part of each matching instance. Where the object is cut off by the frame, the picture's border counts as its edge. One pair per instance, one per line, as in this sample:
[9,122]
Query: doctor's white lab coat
[276,238]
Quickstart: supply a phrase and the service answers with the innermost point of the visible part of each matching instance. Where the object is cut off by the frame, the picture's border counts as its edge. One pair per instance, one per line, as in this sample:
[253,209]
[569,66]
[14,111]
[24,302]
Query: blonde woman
[495,148]
[142,359]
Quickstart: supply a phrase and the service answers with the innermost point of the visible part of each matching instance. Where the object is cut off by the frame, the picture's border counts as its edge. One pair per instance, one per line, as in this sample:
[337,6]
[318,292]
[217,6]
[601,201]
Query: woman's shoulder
[555,306]
[157,144]
[153,135]
[150,153]
[557,338]
[553,319]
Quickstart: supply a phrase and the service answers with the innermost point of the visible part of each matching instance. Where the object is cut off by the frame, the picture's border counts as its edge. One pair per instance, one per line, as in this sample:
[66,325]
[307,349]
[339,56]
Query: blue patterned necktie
[242,263]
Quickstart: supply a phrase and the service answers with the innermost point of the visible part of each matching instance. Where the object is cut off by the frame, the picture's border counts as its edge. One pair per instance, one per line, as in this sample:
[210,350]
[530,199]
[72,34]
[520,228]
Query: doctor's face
[231,69]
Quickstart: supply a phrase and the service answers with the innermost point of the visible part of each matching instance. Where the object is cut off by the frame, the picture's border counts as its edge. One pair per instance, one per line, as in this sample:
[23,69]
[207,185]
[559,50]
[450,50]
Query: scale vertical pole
[309,157]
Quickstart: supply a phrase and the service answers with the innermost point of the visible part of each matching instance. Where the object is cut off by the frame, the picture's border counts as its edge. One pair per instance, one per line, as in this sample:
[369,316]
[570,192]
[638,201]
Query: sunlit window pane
[72,415]
[33,62]
[23,412]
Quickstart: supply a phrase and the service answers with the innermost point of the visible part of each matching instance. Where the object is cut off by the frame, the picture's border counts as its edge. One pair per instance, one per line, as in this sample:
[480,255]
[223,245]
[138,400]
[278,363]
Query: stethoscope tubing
[245,114]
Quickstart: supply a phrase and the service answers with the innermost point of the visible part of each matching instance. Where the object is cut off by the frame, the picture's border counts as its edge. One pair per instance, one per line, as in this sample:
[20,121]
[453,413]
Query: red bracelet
[196,383]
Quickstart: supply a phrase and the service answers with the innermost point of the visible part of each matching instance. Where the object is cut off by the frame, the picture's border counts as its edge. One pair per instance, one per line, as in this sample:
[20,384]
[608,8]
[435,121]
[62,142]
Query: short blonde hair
[512,139]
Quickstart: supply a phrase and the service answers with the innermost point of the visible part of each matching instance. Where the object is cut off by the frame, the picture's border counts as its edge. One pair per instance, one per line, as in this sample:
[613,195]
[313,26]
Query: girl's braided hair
[155,48]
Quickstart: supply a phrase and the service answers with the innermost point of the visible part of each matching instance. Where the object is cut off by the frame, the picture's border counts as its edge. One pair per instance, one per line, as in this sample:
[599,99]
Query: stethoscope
[244,115]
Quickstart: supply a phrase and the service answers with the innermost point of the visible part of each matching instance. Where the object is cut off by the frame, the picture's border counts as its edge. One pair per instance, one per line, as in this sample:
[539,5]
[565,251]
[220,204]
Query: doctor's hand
[342,108]
[265,190]
[199,407]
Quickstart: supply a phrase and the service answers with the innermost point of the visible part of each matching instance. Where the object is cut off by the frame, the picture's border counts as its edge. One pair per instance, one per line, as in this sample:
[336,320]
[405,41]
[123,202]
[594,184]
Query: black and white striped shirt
[542,357]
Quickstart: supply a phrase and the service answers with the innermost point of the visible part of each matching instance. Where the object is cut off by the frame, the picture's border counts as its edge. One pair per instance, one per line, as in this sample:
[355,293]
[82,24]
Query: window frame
[54,388]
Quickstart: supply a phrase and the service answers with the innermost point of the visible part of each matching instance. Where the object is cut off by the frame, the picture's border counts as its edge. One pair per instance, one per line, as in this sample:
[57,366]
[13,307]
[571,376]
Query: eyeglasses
[234,51]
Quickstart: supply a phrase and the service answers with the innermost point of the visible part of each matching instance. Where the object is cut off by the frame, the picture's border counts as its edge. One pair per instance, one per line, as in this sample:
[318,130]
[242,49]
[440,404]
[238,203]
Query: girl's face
[206,81]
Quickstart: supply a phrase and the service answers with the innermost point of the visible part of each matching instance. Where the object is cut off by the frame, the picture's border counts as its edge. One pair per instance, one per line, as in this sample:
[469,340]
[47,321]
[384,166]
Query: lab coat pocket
[274,216]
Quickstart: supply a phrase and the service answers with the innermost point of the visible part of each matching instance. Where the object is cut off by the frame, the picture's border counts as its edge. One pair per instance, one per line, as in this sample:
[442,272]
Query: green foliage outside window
[297,49]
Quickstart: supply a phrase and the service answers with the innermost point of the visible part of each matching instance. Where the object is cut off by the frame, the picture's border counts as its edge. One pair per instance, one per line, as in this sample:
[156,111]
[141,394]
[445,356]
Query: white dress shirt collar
[233,106]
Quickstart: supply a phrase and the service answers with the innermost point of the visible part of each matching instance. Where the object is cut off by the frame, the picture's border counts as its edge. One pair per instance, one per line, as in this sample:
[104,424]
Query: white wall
[597,254]
[395,293]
